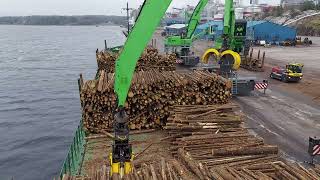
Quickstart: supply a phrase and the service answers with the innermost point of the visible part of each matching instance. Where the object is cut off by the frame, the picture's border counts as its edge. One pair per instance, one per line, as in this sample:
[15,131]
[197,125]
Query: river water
[39,98]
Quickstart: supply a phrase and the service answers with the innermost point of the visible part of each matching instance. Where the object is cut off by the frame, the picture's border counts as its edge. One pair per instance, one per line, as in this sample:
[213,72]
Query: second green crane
[181,44]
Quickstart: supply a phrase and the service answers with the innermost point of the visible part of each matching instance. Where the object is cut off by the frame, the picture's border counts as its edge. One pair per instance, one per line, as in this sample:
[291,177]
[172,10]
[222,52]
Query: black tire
[271,76]
[284,78]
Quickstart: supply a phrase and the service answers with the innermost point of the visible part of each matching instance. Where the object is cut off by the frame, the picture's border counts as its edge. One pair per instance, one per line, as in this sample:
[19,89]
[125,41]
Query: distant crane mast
[128,18]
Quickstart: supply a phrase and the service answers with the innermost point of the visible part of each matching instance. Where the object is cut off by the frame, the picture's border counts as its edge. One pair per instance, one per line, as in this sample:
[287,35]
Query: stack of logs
[150,59]
[214,135]
[151,95]
[186,167]
[209,142]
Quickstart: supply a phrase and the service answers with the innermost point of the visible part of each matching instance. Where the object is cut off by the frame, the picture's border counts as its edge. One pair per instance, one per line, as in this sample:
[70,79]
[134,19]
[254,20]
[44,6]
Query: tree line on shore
[63,20]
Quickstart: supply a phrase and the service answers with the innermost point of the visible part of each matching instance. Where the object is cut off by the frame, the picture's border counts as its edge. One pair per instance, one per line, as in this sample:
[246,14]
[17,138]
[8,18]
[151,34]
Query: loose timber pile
[151,95]
[209,142]
[150,59]
[169,169]
[187,168]
[214,135]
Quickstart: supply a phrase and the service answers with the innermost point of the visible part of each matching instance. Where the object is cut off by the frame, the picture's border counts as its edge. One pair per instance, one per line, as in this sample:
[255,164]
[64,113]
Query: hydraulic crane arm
[195,18]
[149,18]
[187,39]
[225,42]
[229,19]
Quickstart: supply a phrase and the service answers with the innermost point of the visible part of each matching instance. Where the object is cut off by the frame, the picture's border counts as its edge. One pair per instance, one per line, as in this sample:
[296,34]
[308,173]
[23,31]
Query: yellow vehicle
[291,73]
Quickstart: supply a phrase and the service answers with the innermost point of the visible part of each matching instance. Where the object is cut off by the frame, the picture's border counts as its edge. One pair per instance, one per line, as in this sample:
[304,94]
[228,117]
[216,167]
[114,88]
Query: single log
[163,169]
[153,172]
[224,173]
[186,157]
[236,151]
[181,170]
[145,171]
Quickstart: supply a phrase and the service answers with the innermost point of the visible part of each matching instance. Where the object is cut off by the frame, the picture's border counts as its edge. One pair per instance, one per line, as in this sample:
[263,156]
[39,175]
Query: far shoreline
[97,25]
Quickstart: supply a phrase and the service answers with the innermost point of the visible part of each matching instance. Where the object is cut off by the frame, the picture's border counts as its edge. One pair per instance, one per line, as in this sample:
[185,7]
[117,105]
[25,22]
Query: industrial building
[270,32]
[256,31]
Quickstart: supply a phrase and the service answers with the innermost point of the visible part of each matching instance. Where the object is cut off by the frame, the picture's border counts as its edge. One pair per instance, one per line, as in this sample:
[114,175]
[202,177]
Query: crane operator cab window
[240,28]
[294,68]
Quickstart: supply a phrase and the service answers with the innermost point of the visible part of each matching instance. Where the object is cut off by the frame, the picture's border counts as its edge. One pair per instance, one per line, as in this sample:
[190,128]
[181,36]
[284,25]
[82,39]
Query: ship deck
[148,147]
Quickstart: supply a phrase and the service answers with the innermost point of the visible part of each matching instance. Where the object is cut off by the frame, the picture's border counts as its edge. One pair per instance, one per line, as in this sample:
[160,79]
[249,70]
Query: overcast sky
[75,7]
[72,7]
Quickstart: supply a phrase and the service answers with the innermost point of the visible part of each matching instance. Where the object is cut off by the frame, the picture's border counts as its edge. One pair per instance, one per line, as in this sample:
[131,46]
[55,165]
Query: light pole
[128,18]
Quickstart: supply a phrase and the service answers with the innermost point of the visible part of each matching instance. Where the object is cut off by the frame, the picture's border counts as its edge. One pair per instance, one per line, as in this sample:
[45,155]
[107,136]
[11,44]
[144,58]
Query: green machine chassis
[188,38]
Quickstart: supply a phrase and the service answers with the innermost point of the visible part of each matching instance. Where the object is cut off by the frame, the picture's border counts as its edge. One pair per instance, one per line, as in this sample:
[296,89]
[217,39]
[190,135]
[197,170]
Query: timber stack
[212,142]
[214,136]
[150,59]
[151,95]
[207,142]
[186,167]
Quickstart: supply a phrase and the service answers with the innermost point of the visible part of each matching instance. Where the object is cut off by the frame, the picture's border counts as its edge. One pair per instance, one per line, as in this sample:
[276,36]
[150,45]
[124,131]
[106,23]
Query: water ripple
[39,100]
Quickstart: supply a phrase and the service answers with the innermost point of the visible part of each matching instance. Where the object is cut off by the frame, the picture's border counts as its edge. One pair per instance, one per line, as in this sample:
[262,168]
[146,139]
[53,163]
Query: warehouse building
[269,32]
[256,31]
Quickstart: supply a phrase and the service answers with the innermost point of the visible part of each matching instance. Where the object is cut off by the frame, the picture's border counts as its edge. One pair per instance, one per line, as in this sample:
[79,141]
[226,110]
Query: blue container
[270,32]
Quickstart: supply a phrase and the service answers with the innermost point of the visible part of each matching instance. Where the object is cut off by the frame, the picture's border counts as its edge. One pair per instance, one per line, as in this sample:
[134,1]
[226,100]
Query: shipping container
[270,32]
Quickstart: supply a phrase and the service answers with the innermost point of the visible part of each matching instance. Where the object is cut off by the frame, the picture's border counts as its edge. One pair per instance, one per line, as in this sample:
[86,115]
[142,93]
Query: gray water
[39,98]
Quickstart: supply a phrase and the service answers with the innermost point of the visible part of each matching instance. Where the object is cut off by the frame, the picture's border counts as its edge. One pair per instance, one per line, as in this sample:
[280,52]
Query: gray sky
[72,7]
[75,7]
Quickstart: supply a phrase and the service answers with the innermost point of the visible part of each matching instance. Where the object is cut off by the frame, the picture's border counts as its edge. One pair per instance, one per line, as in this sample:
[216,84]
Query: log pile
[150,59]
[151,95]
[164,169]
[277,170]
[186,167]
[210,142]
[214,136]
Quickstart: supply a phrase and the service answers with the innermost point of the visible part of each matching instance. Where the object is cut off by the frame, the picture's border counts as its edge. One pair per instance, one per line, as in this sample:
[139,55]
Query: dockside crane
[227,50]
[181,44]
[147,21]
[229,46]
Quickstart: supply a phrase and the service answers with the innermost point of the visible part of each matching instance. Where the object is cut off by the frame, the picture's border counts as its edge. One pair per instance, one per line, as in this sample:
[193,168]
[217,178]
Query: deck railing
[73,161]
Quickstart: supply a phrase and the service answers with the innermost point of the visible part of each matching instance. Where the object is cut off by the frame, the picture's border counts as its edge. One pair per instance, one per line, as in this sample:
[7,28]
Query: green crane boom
[195,18]
[187,39]
[149,18]
[234,31]
[226,40]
